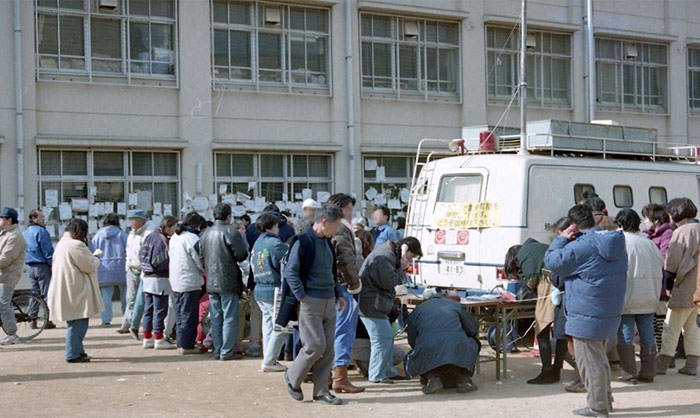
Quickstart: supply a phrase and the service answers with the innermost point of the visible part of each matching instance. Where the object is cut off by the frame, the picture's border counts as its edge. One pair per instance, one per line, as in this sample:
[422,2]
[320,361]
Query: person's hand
[97,253]
[342,304]
[404,263]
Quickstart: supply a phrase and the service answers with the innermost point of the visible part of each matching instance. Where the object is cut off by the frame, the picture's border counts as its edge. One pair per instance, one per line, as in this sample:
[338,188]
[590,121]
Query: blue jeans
[645,325]
[75,333]
[154,313]
[223,308]
[187,314]
[381,360]
[345,329]
[137,311]
[272,340]
[7,311]
[40,278]
[107,292]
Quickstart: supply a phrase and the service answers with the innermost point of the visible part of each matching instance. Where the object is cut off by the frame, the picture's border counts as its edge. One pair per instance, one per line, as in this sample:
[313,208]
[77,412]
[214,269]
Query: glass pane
[316,47]
[658,196]
[74,163]
[606,80]
[138,7]
[300,166]
[504,38]
[623,196]
[381,26]
[240,49]
[270,51]
[449,65]
[239,13]
[105,38]
[366,25]
[139,44]
[431,32]
[72,39]
[242,165]
[408,67]
[460,189]
[297,18]
[72,4]
[382,60]
[431,59]
[48,34]
[162,49]
[50,163]
[220,11]
[579,189]
[47,3]
[606,48]
[223,165]
[561,44]
[109,192]
[395,166]
[163,8]
[77,190]
[366,59]
[165,193]
[448,33]
[271,191]
[271,165]
[141,164]
[297,52]
[220,47]
[657,54]
[108,163]
[319,166]
[694,57]
[165,164]
[317,20]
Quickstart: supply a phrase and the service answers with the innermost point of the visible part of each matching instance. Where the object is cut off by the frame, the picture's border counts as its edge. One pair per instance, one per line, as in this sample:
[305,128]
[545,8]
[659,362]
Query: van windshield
[462,188]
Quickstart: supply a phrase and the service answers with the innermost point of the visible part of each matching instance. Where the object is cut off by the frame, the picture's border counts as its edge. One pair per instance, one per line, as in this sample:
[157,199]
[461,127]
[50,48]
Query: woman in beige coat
[74,295]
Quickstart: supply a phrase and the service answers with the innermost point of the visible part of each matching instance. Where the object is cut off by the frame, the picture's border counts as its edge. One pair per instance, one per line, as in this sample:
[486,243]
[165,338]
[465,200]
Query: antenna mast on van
[523,84]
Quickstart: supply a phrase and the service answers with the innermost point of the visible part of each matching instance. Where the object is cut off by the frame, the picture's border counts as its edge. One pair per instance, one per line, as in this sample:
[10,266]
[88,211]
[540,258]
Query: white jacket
[133,246]
[186,268]
[643,274]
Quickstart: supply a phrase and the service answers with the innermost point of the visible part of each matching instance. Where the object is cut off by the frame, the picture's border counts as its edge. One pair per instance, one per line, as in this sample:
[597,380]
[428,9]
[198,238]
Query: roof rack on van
[566,138]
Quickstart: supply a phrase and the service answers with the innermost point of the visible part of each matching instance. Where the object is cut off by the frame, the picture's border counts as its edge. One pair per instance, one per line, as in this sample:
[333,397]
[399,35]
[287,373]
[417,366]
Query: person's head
[587,194]
[381,215]
[345,202]
[78,230]
[8,218]
[193,223]
[309,207]
[681,210]
[168,225]
[271,207]
[400,223]
[359,224]
[597,205]
[268,222]
[222,212]
[628,220]
[582,217]
[137,219]
[327,221]
[654,216]
[409,248]
[112,219]
[245,220]
[37,217]
[561,225]
[510,265]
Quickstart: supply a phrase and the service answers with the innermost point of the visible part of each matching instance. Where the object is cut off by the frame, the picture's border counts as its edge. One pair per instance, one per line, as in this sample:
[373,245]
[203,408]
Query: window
[109,176]
[460,189]
[623,196]
[398,172]
[658,196]
[548,67]
[273,176]
[132,43]
[580,189]
[410,58]
[271,47]
[631,76]
[694,78]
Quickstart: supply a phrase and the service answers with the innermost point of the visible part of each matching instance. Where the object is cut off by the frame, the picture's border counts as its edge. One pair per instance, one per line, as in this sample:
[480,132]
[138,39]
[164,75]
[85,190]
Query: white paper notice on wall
[297,196]
[223,188]
[200,204]
[371,193]
[121,208]
[260,204]
[370,165]
[405,195]
[251,185]
[306,194]
[381,174]
[380,199]
[51,198]
[145,200]
[105,208]
[242,197]
[213,200]
[133,199]
[65,212]
[52,231]
[60,229]
[93,190]
[322,197]
[47,212]
[187,197]
[281,205]
[238,210]
[394,204]
[80,205]
[94,211]
[229,198]
[284,197]
[92,226]
[167,209]
[249,205]
[157,208]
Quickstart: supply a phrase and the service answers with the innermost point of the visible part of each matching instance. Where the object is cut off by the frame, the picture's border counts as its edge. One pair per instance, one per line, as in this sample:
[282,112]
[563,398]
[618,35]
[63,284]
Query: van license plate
[451,267]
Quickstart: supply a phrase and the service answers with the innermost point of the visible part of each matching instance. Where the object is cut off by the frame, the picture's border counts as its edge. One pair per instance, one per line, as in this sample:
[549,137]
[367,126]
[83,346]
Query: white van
[467,210]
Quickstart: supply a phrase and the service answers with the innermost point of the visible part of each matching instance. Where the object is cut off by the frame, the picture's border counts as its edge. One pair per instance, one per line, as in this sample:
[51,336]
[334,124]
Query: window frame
[659,188]
[620,64]
[627,187]
[423,93]
[255,28]
[538,102]
[693,69]
[126,76]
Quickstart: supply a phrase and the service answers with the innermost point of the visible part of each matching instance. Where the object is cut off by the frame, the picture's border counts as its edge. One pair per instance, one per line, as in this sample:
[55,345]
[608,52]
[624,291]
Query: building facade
[155,103]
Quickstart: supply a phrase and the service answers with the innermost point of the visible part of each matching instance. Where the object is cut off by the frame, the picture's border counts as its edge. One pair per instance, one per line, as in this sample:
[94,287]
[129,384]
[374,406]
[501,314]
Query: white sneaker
[148,343]
[163,344]
[9,340]
[277,367]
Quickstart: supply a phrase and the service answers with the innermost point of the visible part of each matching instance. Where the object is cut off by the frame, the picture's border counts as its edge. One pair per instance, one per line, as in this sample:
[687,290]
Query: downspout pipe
[590,63]
[523,82]
[349,97]
[19,116]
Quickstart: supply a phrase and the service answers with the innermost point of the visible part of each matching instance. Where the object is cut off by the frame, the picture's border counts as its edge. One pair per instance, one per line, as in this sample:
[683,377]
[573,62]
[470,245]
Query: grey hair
[329,212]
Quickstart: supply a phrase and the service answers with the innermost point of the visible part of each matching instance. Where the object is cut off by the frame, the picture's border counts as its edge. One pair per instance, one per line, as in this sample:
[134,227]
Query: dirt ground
[123,380]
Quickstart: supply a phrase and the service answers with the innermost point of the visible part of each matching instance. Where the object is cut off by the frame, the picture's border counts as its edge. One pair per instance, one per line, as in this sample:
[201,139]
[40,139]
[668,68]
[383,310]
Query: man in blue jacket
[38,259]
[594,263]
[383,232]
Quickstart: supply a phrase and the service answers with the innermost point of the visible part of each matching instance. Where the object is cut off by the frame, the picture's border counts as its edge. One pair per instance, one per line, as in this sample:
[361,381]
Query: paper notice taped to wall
[145,200]
[371,193]
[322,197]
[92,226]
[157,208]
[405,195]
[80,205]
[394,204]
[133,199]
[381,174]
[223,188]
[306,194]
[370,165]
[121,208]
[51,198]
[167,209]
[65,212]
[467,215]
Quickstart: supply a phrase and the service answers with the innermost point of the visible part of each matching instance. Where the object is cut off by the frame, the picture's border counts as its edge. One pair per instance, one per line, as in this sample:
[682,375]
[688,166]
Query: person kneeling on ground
[445,343]
[361,350]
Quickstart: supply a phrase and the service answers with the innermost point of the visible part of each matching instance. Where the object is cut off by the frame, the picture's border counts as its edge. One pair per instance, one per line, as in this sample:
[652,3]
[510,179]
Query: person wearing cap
[38,259]
[309,208]
[134,287]
[12,251]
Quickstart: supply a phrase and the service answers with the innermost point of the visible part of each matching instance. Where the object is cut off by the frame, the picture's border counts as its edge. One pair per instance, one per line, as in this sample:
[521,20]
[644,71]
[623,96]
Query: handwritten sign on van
[467,215]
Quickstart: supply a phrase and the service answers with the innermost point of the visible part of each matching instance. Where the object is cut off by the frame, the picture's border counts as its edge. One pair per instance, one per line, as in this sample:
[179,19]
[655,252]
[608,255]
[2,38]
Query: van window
[658,195]
[623,196]
[462,188]
[579,189]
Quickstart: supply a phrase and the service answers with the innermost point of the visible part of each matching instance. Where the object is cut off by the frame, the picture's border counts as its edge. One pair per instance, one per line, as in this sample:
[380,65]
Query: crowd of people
[616,276]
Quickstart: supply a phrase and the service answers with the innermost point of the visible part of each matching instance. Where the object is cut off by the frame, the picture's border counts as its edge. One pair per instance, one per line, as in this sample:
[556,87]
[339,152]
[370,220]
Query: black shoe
[80,359]
[134,334]
[232,356]
[328,398]
[386,381]
[84,355]
[399,377]
[466,386]
[288,357]
[546,377]
[434,385]
[295,393]
[106,324]
[49,325]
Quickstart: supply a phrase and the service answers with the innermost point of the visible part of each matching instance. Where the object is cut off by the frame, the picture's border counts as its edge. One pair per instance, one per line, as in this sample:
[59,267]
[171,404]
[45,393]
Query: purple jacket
[661,237]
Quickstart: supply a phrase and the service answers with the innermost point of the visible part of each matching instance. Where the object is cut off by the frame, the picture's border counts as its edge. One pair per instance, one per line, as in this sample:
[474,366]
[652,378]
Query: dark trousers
[187,317]
[154,312]
[449,374]
[545,342]
[40,278]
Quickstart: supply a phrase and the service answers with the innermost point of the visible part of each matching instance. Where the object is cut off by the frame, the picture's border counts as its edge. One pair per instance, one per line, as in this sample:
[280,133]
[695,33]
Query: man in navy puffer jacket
[594,263]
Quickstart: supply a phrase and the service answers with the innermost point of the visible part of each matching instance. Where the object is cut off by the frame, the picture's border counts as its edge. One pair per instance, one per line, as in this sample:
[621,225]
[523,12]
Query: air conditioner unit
[531,41]
[273,15]
[630,52]
[410,28]
[108,4]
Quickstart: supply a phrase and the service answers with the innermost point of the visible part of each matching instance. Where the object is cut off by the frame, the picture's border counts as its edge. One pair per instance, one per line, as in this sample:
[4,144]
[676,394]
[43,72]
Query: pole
[349,97]
[590,64]
[19,115]
[523,83]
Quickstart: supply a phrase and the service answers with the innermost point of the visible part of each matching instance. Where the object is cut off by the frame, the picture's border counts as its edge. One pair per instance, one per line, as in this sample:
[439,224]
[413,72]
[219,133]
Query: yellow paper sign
[467,215]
